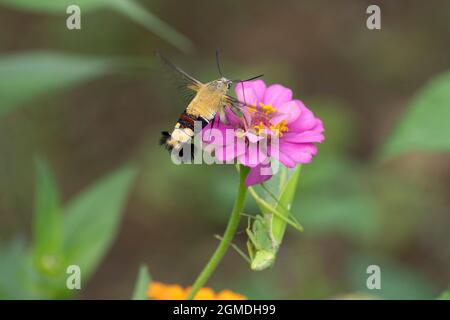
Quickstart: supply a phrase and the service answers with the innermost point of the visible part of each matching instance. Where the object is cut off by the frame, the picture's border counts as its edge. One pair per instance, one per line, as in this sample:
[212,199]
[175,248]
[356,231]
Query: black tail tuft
[184,156]
[163,140]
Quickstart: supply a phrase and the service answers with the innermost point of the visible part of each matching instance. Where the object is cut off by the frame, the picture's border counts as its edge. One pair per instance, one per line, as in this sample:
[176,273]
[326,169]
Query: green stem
[232,226]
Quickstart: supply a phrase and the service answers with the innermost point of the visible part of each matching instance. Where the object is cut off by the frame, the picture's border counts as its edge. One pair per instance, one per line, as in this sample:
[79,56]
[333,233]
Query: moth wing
[185,83]
[237,107]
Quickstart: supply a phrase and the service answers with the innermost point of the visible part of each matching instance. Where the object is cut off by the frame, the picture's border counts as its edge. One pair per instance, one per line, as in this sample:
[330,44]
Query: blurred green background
[89,103]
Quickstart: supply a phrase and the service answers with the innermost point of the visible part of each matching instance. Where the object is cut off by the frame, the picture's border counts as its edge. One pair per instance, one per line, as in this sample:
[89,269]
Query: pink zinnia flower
[270,113]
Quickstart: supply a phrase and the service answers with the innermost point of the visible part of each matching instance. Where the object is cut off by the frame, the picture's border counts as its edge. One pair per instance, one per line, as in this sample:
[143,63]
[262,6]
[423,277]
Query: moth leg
[222,115]
[210,129]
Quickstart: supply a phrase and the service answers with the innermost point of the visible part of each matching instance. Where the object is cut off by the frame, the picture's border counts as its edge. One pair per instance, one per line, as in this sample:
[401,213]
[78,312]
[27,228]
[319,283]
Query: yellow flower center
[251,108]
[279,128]
[262,120]
[259,128]
[267,108]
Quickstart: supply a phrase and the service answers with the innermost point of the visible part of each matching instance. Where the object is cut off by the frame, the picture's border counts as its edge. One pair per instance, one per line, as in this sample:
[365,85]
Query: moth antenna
[249,79]
[218,62]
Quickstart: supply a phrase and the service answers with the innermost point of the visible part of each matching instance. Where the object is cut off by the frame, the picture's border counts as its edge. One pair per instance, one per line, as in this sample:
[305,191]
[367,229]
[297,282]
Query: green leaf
[92,218]
[25,76]
[445,295]
[142,283]
[140,15]
[129,8]
[267,231]
[47,225]
[54,6]
[285,201]
[424,127]
[12,257]
[286,196]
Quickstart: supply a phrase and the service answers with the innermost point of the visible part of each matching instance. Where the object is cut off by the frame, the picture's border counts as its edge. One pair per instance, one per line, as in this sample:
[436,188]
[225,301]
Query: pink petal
[247,94]
[218,135]
[258,88]
[231,150]
[305,121]
[276,95]
[258,174]
[254,155]
[232,118]
[303,137]
[253,138]
[299,152]
[275,152]
[247,117]
[288,111]
[318,127]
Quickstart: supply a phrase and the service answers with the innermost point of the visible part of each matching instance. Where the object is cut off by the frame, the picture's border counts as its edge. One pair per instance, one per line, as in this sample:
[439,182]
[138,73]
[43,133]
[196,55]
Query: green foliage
[337,196]
[285,198]
[397,281]
[267,231]
[47,219]
[91,219]
[276,199]
[139,14]
[26,76]
[79,236]
[52,6]
[424,127]
[129,8]
[142,283]
[12,257]
[350,214]
[445,295]
[82,231]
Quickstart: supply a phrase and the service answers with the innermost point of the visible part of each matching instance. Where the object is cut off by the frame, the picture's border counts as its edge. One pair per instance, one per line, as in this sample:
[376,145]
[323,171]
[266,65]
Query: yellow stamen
[279,128]
[251,108]
[260,128]
[267,108]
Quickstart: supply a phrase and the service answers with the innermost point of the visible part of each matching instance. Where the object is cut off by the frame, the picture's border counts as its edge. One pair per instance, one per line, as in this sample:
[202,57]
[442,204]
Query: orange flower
[161,291]
[229,295]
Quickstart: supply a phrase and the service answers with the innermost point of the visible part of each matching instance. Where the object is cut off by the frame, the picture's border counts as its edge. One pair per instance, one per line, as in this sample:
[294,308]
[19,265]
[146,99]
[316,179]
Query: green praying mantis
[265,231]
[261,245]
